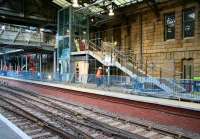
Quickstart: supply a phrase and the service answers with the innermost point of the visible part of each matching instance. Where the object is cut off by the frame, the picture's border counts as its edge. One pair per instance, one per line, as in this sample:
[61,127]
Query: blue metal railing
[117,83]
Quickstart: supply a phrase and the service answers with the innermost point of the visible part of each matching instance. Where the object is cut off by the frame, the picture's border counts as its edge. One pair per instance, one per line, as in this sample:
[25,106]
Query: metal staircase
[129,66]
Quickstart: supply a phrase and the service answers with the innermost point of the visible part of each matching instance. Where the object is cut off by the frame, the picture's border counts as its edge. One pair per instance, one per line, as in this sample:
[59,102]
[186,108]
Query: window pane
[188,23]
[189,15]
[170,26]
[189,29]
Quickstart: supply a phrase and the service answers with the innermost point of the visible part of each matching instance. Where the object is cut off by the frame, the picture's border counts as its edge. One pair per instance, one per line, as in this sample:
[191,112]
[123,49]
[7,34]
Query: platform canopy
[4,51]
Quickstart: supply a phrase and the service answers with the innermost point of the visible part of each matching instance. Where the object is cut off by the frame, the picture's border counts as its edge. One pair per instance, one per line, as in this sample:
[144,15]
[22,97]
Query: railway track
[31,126]
[84,122]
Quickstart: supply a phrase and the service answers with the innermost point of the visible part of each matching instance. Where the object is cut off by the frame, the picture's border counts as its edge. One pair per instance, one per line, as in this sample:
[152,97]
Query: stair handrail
[120,56]
[125,59]
[93,47]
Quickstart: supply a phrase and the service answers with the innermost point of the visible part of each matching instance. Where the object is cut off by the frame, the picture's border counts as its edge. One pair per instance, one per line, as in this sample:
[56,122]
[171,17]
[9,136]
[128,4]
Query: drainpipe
[141,41]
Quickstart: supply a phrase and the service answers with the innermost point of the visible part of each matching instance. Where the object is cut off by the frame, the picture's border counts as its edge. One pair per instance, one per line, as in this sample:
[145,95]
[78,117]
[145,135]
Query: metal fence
[24,35]
[142,86]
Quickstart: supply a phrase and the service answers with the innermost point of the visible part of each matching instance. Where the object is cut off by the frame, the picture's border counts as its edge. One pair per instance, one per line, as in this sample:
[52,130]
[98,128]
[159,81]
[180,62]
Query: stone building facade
[165,45]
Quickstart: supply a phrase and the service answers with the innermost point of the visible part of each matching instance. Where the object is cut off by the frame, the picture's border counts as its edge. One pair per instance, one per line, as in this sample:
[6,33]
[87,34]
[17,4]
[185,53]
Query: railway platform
[9,131]
[170,113]
[115,94]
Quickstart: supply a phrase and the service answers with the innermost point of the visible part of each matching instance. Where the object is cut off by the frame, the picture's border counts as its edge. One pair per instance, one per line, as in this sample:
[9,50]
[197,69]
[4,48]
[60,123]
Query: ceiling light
[3,27]
[75,3]
[111,13]
[42,29]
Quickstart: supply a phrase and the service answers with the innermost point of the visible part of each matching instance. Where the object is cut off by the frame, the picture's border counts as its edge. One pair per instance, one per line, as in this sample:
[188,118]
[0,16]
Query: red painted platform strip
[182,118]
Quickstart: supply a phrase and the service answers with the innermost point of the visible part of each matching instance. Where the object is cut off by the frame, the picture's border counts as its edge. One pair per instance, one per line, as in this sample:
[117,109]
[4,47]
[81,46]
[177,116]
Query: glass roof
[122,3]
[101,5]
[95,9]
[61,3]
[104,6]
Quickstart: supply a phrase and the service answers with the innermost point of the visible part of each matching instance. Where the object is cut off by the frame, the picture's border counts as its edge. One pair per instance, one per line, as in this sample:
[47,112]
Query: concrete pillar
[108,75]
[15,67]
[1,64]
[21,63]
[26,64]
[54,61]
[4,60]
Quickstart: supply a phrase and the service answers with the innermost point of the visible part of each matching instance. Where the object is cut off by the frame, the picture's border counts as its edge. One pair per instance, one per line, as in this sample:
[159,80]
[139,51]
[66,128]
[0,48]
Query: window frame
[166,26]
[183,22]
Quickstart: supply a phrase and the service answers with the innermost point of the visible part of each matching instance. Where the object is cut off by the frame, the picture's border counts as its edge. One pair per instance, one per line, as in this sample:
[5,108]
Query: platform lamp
[75,3]
[111,12]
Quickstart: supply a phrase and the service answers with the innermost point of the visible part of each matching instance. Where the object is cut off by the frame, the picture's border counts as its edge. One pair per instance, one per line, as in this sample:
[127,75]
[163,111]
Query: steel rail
[93,123]
[176,134]
[13,108]
[47,124]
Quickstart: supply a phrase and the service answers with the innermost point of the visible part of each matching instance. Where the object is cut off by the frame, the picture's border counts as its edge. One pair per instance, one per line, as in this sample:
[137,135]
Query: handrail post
[160,74]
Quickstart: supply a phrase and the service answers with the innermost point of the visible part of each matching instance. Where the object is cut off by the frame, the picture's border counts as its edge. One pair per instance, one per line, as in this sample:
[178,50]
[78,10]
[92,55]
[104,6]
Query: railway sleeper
[149,128]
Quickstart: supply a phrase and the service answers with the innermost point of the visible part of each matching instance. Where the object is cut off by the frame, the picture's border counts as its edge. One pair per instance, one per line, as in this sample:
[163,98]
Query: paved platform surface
[10,131]
[123,95]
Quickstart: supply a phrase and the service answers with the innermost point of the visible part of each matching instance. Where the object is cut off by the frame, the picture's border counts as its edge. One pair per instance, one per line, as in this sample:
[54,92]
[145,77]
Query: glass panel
[60,46]
[79,31]
[61,14]
[63,33]
[170,26]
[188,23]
[189,29]
[189,15]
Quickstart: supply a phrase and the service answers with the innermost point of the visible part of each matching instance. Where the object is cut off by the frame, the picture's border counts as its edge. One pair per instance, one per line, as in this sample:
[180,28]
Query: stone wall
[143,33]
[165,58]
